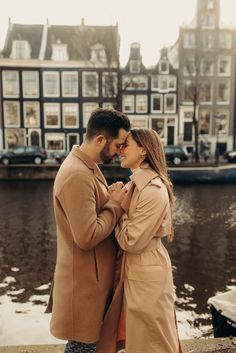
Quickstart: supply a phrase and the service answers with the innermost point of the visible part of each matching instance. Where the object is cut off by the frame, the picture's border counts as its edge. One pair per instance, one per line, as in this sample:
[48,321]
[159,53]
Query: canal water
[203,255]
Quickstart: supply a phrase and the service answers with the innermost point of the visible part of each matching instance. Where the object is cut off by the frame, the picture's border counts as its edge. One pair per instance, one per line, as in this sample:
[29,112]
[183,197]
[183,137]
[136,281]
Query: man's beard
[105,155]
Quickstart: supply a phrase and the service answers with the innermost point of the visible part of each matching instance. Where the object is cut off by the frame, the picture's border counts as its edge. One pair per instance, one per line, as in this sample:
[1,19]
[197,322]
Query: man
[86,215]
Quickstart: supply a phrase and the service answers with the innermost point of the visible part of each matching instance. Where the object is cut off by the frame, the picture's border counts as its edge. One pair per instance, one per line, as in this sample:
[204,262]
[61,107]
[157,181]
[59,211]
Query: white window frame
[47,134]
[202,72]
[153,96]
[142,121]
[94,106]
[59,52]
[135,79]
[45,117]
[57,82]
[185,71]
[229,60]
[167,67]
[218,113]
[141,96]
[155,82]
[206,43]
[17,84]
[162,78]
[174,78]
[84,75]
[217,92]
[76,83]
[37,108]
[174,103]
[225,40]
[130,98]
[17,105]
[211,93]
[67,139]
[15,131]
[189,43]
[114,79]
[206,110]
[76,125]
[134,69]
[27,50]
[36,81]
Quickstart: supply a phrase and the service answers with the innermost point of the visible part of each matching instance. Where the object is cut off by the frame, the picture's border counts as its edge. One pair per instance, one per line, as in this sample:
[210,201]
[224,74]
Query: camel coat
[148,283]
[86,252]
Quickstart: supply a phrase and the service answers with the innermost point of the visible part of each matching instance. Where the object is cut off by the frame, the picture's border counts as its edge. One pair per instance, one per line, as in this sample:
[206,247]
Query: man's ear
[100,140]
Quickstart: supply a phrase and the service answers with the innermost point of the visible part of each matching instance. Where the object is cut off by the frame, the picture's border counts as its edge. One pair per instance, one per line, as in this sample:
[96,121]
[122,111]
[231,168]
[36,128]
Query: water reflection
[203,255]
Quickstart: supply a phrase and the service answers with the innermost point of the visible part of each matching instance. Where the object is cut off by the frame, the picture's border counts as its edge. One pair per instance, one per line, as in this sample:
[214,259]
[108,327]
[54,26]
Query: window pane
[157,103]
[88,108]
[205,116]
[55,141]
[10,84]
[11,114]
[70,84]
[223,92]
[109,84]
[206,92]
[14,137]
[70,115]
[30,84]
[90,84]
[128,104]
[141,104]
[31,114]
[51,84]
[52,115]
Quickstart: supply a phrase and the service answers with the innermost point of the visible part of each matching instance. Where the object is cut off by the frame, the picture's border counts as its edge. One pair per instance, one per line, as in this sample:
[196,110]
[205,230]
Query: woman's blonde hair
[150,140]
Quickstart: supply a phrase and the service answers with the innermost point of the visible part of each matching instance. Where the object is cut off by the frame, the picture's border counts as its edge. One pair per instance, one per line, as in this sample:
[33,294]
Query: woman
[148,286]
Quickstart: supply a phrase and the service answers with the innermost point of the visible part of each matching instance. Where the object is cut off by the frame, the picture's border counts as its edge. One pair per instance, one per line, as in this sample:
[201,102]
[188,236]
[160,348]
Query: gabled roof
[31,33]
[79,40]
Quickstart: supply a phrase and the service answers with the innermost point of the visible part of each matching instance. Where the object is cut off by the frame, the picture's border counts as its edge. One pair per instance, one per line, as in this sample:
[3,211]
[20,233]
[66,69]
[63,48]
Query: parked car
[230,156]
[24,154]
[175,155]
[60,156]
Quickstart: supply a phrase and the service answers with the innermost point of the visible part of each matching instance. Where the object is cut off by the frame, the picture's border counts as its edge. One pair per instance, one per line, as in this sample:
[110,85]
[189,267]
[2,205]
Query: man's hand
[117,191]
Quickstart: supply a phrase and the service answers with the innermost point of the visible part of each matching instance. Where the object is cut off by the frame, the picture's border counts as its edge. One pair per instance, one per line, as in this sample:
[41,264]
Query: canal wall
[216,345]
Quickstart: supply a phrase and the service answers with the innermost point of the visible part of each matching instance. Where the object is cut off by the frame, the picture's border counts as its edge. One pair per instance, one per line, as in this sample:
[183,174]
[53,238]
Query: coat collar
[143,176]
[89,163]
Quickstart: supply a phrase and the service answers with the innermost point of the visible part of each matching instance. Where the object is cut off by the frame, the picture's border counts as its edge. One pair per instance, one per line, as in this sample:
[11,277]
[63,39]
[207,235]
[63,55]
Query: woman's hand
[117,191]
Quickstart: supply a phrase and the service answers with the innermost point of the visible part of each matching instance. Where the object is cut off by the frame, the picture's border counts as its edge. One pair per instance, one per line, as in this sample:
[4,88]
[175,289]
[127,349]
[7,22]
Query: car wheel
[37,160]
[5,161]
[176,161]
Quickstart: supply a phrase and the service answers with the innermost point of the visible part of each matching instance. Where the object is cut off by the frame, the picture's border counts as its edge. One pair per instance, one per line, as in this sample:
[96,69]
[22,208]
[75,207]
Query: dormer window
[59,52]
[98,53]
[208,21]
[164,67]
[20,49]
[135,66]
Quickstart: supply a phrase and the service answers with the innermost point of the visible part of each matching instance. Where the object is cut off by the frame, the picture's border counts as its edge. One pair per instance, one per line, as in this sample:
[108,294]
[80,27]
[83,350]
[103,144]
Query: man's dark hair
[107,122]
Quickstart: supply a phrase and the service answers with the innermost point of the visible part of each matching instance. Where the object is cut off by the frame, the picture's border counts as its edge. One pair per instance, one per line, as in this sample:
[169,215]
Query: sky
[152,23]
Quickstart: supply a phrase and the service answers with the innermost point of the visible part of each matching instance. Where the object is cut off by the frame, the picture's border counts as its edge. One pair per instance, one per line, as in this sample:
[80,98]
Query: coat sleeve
[134,234]
[78,197]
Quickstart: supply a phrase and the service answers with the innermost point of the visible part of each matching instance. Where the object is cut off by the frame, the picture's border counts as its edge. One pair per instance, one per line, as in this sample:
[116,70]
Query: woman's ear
[143,152]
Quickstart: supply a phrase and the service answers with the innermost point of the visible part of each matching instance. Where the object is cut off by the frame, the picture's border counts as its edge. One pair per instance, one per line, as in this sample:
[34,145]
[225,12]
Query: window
[156,103]
[131,82]
[31,114]
[10,84]
[51,84]
[159,126]
[55,141]
[70,84]
[98,53]
[163,83]
[206,92]
[155,82]
[20,50]
[30,84]
[170,103]
[222,120]
[172,83]
[189,40]
[109,84]
[138,122]
[52,115]
[141,104]
[134,66]
[14,138]
[189,66]
[224,65]
[88,108]
[128,104]
[223,92]
[108,105]
[59,52]
[90,84]
[207,67]
[70,115]
[204,122]
[225,40]
[11,114]
[164,67]
[208,40]
[208,21]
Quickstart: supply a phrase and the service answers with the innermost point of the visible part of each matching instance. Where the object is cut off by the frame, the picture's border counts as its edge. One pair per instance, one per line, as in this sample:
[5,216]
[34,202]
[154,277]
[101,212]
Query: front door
[170,135]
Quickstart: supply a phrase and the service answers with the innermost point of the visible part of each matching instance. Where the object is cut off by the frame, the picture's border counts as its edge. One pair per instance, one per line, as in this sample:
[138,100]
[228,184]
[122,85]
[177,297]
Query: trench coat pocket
[145,273]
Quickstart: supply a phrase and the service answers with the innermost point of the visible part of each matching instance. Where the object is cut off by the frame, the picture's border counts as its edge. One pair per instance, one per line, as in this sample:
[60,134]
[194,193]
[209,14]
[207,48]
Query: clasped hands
[117,191]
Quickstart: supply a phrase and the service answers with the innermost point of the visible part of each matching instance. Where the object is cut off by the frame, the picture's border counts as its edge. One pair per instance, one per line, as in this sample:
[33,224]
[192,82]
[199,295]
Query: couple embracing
[113,288]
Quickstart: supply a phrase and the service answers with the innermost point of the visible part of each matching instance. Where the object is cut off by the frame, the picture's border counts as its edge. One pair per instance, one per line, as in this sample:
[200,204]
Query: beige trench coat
[84,273]
[148,283]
